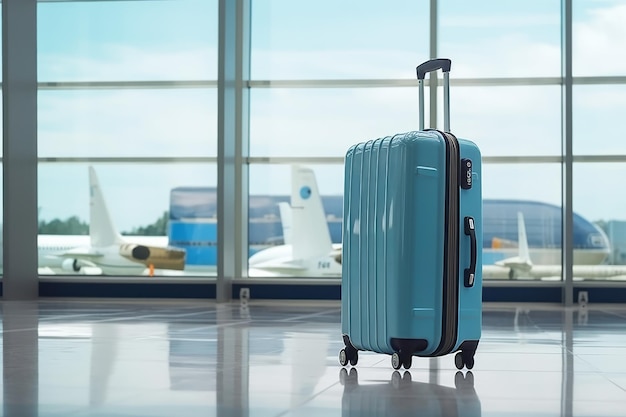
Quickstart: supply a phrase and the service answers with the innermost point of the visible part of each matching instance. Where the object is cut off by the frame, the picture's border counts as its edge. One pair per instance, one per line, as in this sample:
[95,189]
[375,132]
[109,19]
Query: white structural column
[233,108]
[567,251]
[19,113]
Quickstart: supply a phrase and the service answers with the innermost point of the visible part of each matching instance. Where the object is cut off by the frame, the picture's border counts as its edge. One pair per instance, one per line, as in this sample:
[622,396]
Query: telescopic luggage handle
[429,66]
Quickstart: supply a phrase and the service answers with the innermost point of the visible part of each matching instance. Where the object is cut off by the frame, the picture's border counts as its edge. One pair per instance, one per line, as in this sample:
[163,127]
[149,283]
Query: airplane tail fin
[521,263]
[285,221]
[102,231]
[522,239]
[310,235]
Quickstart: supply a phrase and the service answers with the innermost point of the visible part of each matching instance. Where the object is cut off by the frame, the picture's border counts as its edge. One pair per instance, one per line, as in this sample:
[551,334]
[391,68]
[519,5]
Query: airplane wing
[84,253]
[273,269]
[86,256]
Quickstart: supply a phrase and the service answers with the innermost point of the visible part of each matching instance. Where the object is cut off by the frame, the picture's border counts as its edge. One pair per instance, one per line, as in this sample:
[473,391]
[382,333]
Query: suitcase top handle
[429,66]
[433,65]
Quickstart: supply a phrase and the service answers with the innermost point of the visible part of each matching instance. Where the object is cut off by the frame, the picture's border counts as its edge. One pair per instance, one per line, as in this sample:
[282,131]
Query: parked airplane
[522,267]
[105,251]
[285,220]
[311,252]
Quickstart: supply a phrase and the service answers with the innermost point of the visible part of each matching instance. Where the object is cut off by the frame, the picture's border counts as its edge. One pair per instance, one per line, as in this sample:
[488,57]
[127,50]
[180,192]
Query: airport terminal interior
[174,207]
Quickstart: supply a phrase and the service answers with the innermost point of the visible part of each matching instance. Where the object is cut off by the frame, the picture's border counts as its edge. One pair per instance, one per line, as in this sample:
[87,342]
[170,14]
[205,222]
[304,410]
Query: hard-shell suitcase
[411,264]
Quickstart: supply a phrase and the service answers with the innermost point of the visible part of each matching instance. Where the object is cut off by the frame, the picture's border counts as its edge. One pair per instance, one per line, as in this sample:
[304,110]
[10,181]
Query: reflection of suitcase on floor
[402,397]
[412,225]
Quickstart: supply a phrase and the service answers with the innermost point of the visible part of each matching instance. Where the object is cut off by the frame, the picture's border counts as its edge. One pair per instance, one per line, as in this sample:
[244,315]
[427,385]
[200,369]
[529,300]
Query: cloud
[599,41]
[508,21]
[128,63]
[147,123]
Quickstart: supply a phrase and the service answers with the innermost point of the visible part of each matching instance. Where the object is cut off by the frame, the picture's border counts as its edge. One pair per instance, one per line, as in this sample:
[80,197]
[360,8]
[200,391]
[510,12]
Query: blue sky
[177,40]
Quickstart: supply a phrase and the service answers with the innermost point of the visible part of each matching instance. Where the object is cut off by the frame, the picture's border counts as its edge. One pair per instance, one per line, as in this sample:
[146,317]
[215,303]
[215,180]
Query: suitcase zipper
[450,300]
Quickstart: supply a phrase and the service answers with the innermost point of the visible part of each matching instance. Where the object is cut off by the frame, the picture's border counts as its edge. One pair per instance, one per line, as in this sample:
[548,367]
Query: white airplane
[105,251]
[522,267]
[285,220]
[308,249]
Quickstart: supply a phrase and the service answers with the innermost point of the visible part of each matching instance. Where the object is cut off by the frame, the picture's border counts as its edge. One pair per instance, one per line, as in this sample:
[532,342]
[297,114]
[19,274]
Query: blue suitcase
[411,264]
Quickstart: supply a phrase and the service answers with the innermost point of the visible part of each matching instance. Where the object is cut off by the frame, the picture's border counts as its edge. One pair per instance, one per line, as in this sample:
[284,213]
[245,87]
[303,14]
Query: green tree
[158,228]
[70,226]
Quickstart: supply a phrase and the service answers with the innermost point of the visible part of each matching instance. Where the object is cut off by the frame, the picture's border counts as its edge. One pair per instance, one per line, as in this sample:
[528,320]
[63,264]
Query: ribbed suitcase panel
[367,276]
[380,224]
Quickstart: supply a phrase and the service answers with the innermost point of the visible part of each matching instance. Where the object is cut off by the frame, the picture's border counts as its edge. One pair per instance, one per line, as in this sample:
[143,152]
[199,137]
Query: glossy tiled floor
[193,358]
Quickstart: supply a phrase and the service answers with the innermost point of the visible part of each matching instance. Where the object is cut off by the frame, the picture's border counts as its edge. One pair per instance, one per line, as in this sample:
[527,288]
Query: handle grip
[422,69]
[433,65]
[470,273]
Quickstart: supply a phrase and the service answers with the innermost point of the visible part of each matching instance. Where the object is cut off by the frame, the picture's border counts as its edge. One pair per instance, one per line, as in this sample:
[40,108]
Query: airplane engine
[71,265]
[159,258]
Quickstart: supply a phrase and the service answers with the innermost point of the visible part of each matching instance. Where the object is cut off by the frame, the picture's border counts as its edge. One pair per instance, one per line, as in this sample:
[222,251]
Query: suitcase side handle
[470,273]
[433,65]
[429,66]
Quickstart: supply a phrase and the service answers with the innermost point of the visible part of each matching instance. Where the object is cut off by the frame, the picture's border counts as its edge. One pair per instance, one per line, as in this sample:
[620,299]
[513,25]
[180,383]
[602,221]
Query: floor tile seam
[126,318]
[293,409]
[310,315]
[616,384]
[73,316]
[597,370]
[27,329]
[614,313]
[593,369]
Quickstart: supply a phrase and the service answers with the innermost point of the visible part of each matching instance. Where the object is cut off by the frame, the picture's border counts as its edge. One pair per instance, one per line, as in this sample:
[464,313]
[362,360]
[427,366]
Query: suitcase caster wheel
[343,357]
[355,358]
[470,363]
[458,361]
[408,360]
[396,363]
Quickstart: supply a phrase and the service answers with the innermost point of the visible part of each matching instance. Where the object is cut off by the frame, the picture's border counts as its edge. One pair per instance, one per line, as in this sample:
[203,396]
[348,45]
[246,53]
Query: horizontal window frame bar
[113,85]
[323,160]
[329,83]
[378,83]
[131,159]
[459,82]
[510,159]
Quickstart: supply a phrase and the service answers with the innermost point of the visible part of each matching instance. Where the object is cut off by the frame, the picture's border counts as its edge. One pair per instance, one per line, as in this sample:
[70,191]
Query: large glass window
[127,117]
[285,224]
[512,203]
[598,119]
[130,88]
[595,197]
